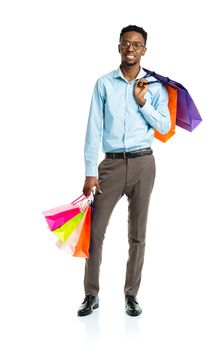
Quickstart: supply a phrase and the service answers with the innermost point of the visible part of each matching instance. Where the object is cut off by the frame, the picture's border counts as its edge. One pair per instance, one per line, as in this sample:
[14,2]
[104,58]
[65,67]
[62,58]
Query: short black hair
[134,28]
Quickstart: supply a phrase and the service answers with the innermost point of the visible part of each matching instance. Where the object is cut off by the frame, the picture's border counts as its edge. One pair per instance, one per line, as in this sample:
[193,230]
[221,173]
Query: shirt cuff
[160,122]
[91,170]
[147,108]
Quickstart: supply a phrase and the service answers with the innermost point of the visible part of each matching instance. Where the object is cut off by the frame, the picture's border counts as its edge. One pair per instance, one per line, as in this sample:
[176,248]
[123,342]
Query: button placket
[126,106]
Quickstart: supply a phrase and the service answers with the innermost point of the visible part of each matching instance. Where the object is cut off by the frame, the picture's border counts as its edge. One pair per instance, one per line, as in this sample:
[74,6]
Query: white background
[52,52]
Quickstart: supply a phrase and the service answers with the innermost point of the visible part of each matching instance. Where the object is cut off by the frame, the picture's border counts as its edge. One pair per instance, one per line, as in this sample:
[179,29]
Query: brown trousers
[133,177]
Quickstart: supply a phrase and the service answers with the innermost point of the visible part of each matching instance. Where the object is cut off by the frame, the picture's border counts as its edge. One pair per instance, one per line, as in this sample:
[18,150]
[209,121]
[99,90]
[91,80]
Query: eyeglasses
[125,44]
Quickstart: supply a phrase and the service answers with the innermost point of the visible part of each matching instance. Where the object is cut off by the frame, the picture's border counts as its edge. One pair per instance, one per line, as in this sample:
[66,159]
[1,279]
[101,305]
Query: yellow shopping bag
[64,231]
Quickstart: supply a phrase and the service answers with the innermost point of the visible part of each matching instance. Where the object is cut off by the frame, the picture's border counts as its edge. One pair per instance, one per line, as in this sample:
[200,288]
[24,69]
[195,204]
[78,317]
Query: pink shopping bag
[58,216]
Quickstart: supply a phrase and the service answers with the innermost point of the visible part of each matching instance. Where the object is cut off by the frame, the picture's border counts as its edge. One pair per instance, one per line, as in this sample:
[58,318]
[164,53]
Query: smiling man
[125,109]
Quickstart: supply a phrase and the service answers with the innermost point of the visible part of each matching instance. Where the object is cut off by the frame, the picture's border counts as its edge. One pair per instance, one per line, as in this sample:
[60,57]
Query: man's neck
[130,72]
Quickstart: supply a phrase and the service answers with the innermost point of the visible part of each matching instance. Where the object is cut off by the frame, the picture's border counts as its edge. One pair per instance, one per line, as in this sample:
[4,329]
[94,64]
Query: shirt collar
[118,74]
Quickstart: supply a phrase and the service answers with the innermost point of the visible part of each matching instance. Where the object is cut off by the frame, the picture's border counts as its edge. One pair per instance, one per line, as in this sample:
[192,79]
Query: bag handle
[81,198]
[78,199]
[165,80]
[87,202]
[153,74]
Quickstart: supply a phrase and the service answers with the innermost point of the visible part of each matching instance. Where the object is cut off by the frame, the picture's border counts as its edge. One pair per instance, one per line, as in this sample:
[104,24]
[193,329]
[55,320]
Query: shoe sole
[88,312]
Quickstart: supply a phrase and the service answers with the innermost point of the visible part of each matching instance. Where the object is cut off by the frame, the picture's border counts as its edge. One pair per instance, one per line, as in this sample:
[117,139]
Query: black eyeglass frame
[129,43]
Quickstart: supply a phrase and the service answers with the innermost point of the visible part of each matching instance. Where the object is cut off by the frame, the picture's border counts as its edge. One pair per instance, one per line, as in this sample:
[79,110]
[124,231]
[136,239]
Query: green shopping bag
[63,232]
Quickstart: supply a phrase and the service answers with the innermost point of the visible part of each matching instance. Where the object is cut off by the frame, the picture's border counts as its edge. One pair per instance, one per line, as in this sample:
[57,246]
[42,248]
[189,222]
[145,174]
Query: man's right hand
[90,182]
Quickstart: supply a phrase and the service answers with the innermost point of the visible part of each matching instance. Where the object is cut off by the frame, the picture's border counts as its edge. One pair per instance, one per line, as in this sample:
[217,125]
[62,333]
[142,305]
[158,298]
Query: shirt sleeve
[94,131]
[157,113]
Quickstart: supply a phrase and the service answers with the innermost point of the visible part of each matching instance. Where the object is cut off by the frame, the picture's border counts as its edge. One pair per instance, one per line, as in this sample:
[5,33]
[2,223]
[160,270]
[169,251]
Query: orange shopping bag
[82,247]
[172,105]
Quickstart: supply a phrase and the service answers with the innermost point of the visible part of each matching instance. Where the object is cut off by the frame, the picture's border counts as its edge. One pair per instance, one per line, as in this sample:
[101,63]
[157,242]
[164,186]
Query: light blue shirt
[117,119]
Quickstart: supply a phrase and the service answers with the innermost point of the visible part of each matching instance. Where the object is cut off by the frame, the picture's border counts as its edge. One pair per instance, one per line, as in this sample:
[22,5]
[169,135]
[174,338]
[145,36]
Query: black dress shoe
[89,304]
[132,306]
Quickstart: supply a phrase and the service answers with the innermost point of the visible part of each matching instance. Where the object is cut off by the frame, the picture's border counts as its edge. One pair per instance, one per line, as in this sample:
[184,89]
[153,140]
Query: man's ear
[119,48]
[144,51]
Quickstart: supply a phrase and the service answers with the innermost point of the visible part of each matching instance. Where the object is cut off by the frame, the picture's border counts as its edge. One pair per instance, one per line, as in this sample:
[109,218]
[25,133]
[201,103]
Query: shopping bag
[63,232]
[172,106]
[82,247]
[70,244]
[187,116]
[79,226]
[58,216]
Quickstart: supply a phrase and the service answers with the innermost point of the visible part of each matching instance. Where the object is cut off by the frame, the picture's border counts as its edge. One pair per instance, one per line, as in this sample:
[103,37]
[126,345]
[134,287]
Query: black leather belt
[132,154]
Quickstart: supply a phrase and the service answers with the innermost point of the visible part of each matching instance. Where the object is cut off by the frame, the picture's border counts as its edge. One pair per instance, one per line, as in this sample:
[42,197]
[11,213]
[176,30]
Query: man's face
[129,50]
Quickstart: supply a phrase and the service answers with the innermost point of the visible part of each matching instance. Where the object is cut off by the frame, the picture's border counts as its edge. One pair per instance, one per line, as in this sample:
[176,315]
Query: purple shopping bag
[187,116]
